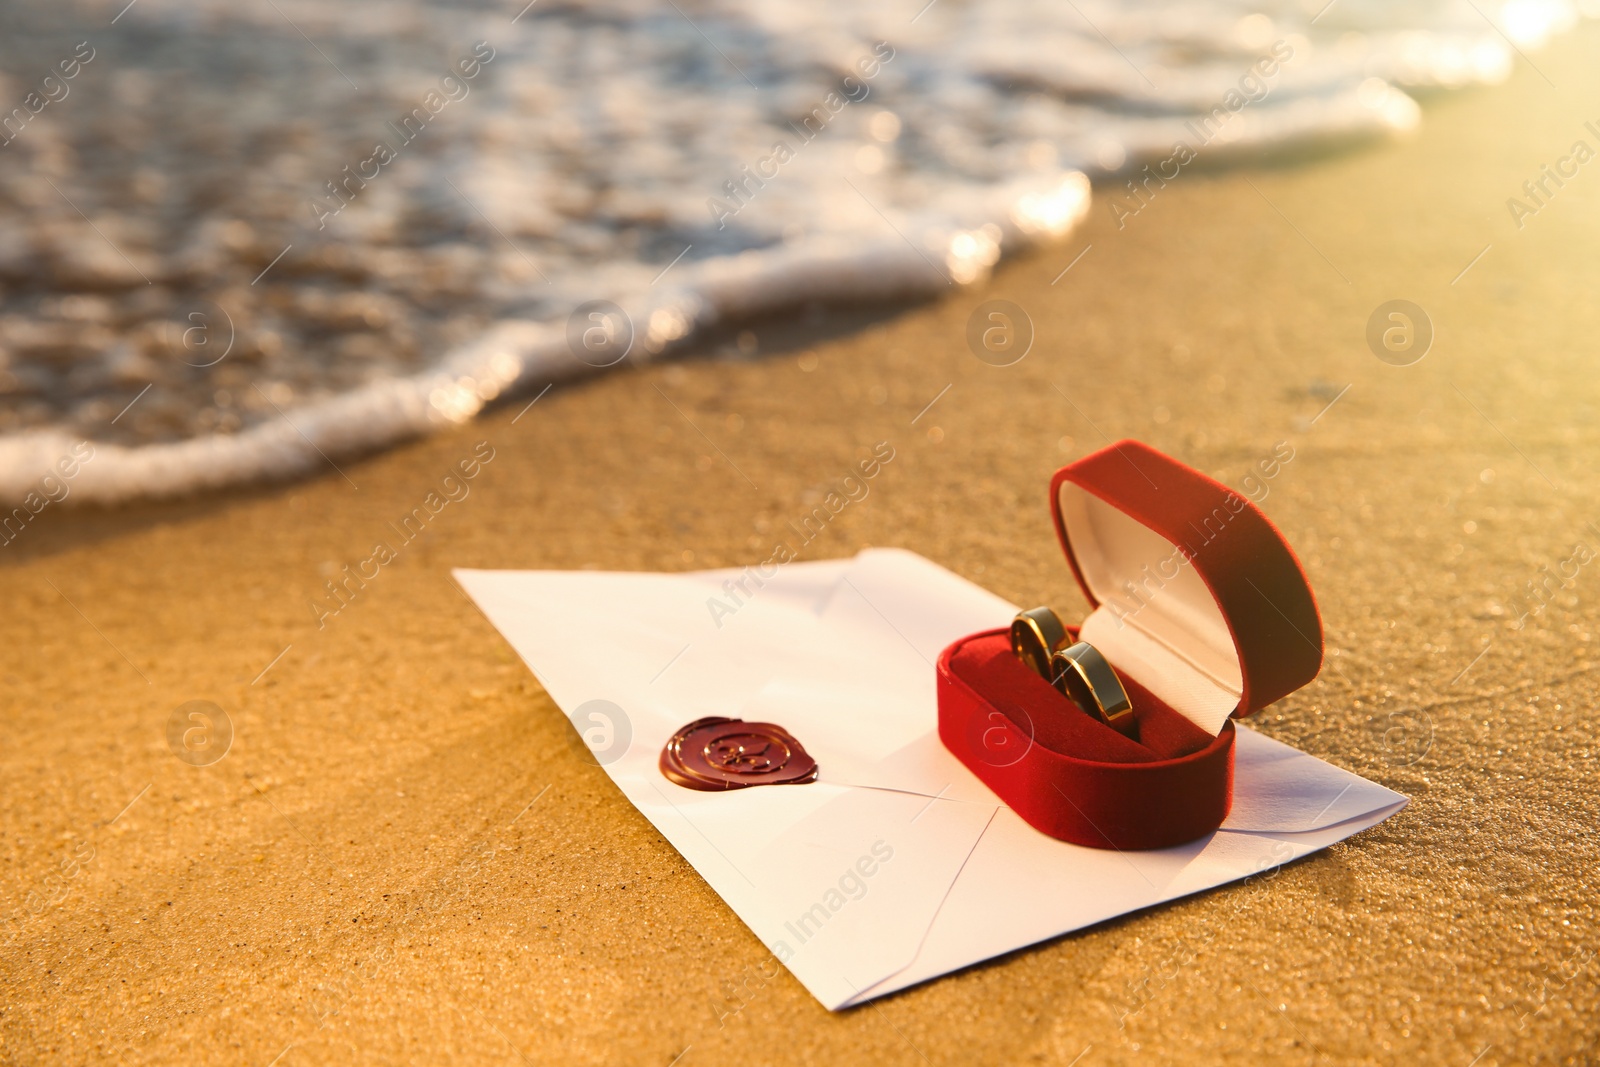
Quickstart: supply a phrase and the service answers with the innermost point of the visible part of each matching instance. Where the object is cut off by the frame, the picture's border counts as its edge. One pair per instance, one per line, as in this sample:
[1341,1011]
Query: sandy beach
[403,857]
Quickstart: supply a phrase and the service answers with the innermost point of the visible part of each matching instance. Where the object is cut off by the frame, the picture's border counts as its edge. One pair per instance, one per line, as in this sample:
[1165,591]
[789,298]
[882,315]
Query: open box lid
[1196,594]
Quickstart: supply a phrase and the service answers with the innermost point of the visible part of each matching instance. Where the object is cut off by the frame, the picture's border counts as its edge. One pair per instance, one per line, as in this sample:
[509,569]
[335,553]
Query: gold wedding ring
[1035,636]
[1084,677]
[1079,671]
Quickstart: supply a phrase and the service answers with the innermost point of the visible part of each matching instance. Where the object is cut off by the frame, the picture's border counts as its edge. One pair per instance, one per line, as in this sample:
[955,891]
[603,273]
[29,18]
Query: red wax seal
[716,753]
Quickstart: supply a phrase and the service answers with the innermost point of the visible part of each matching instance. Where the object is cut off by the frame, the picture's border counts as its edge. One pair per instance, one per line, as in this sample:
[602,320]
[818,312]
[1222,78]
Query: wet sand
[402,858]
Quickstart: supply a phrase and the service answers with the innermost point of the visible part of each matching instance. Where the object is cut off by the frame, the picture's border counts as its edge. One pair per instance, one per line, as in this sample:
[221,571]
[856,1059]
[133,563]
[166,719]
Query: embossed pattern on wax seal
[718,753]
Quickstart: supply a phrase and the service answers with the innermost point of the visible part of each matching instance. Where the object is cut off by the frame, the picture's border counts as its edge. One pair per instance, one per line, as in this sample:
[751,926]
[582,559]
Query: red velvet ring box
[1204,611]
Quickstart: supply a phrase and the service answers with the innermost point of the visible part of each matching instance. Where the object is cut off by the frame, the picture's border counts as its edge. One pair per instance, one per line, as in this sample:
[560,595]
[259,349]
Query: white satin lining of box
[1156,621]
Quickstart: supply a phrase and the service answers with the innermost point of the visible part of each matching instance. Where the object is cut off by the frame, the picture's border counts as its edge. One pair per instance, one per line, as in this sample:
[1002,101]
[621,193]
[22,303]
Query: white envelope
[898,865]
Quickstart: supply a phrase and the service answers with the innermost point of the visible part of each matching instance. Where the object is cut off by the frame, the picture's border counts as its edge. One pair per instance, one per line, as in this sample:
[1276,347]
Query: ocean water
[240,240]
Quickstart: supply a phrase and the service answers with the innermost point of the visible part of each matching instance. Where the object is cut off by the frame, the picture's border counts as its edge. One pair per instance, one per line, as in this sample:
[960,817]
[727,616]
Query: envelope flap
[1278,789]
[1069,887]
[851,890]
[865,730]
